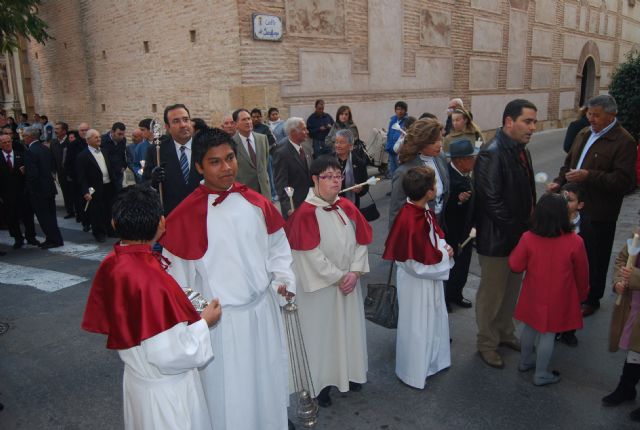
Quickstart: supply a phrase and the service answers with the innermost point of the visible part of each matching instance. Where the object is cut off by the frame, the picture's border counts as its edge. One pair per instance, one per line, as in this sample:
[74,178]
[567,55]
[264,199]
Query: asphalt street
[55,376]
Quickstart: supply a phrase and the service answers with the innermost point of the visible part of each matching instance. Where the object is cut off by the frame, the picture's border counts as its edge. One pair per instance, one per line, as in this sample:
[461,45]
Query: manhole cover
[3,327]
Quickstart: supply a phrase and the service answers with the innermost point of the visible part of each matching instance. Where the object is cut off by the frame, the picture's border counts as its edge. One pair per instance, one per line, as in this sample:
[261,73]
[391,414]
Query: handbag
[381,303]
[370,212]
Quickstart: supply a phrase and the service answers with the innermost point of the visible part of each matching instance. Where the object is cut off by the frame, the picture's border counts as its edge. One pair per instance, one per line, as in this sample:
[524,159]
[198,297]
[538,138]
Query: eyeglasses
[330,177]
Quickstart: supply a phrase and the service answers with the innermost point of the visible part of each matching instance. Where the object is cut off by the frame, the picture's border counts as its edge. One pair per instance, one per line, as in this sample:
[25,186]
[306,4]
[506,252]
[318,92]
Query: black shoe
[18,244]
[99,238]
[2,253]
[78,219]
[568,338]
[449,308]
[69,216]
[34,242]
[635,415]
[463,303]
[49,245]
[354,386]
[324,401]
[86,228]
[291,426]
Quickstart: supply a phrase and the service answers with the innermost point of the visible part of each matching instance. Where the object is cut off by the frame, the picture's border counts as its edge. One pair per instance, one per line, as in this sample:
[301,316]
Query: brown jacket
[611,164]
[621,312]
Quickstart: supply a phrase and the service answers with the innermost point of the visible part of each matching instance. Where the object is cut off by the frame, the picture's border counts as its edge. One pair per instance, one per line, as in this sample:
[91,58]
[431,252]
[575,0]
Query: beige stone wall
[365,53]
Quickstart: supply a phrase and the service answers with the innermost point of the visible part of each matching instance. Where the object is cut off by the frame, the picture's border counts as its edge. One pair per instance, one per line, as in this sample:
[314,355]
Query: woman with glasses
[353,168]
[329,238]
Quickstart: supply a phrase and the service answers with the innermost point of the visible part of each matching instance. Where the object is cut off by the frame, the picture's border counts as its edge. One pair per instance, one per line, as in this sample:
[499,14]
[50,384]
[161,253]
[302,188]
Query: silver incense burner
[196,299]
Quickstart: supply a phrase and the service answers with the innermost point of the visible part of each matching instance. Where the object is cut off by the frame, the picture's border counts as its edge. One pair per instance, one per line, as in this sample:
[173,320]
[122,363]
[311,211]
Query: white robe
[333,325]
[161,385]
[246,385]
[422,343]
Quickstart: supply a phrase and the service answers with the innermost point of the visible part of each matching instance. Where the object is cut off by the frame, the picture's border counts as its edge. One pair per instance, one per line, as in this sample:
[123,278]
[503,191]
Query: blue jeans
[393,163]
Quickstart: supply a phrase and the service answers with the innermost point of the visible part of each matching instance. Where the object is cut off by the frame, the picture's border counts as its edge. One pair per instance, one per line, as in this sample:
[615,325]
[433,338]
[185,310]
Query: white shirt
[99,156]
[187,150]
[592,139]
[430,162]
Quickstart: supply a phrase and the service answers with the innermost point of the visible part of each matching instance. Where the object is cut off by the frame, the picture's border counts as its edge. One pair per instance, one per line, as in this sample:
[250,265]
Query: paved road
[55,376]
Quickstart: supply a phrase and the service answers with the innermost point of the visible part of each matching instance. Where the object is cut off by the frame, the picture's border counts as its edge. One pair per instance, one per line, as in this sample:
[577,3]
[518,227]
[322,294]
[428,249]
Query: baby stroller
[375,149]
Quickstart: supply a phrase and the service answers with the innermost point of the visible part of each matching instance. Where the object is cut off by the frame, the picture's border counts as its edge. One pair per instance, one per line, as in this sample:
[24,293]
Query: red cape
[132,298]
[409,237]
[186,226]
[303,231]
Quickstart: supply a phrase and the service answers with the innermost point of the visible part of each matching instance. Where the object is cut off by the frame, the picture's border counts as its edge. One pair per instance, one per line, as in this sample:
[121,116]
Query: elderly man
[453,104]
[291,166]
[505,196]
[13,195]
[458,215]
[228,124]
[39,169]
[96,172]
[176,171]
[252,153]
[602,158]
[137,137]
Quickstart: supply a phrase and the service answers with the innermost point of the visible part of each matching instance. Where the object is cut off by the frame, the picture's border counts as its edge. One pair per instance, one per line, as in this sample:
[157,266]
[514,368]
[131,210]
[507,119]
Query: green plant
[625,88]
[20,18]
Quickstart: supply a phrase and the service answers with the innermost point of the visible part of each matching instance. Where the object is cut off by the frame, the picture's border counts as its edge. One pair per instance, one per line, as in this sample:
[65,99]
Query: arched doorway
[587,85]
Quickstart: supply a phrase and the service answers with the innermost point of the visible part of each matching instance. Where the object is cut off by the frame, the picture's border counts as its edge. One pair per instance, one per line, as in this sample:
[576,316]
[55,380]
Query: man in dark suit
[39,169]
[458,215]
[253,155]
[96,172]
[114,144]
[291,165]
[176,171]
[13,194]
[60,148]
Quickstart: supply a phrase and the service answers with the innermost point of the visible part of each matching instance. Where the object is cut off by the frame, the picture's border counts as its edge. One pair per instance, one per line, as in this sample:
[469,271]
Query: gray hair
[347,134]
[91,132]
[605,101]
[292,123]
[457,101]
[32,131]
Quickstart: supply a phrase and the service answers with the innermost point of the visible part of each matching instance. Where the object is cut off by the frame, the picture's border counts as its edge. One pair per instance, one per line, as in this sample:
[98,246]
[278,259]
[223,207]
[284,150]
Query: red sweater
[555,283]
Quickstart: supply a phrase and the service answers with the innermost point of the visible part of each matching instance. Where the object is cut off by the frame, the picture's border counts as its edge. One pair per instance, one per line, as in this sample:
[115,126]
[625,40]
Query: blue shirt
[314,122]
[393,135]
[592,139]
[140,154]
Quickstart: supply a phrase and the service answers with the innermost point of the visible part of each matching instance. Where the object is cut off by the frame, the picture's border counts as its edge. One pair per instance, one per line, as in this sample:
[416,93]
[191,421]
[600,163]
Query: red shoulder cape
[186,226]
[303,232]
[409,237]
[132,298]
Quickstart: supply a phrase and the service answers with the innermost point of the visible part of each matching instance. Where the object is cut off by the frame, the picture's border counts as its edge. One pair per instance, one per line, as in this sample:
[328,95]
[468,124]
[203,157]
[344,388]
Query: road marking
[42,279]
[83,251]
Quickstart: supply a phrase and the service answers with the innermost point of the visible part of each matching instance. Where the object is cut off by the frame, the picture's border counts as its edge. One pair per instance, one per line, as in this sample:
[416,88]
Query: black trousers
[68,194]
[100,210]
[599,244]
[19,210]
[45,210]
[458,274]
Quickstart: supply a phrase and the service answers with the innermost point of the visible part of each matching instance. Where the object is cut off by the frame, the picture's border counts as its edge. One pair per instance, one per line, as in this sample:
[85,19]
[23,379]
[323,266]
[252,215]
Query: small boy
[416,243]
[149,320]
[574,194]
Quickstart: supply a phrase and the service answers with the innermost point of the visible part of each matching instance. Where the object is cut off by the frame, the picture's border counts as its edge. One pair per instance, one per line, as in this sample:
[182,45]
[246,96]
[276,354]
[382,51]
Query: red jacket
[555,283]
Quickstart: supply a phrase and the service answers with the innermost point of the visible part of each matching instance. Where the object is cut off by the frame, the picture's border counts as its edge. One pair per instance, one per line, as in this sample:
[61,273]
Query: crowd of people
[543,262]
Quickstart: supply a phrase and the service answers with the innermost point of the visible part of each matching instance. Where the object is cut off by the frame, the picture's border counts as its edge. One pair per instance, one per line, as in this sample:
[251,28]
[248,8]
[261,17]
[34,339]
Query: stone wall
[122,60]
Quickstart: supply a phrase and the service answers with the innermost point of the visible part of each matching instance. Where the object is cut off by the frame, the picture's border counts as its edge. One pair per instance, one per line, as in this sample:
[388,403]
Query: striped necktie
[184,164]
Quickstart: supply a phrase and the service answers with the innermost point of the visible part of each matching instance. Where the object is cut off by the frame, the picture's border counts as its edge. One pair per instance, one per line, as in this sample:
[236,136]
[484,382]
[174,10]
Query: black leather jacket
[505,195]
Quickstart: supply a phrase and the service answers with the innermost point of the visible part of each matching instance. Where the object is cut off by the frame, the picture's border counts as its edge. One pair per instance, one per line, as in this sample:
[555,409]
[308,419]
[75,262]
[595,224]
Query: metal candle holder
[307,408]
[156,129]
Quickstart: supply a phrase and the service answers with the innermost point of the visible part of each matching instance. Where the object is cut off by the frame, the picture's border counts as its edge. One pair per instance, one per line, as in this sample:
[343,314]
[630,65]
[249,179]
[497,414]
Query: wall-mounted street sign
[267,27]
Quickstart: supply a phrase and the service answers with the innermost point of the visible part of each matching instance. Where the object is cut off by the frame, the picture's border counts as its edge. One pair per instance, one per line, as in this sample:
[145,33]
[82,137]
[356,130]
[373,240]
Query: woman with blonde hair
[463,127]
[422,147]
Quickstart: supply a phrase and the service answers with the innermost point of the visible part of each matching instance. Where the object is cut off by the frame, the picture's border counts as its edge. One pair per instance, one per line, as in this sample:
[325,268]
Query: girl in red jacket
[555,283]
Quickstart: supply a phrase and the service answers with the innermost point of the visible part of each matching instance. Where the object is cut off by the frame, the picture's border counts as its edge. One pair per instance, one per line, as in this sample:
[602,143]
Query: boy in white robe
[424,259]
[226,240]
[329,238]
[149,320]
